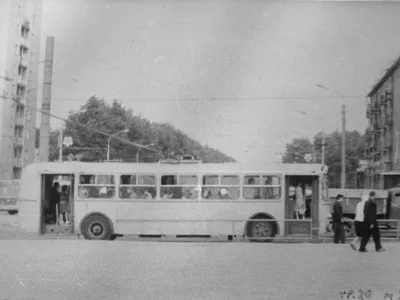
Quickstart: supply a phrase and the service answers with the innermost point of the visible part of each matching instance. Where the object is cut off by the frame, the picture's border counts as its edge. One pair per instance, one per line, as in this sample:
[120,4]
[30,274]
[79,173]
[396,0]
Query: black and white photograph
[170,149]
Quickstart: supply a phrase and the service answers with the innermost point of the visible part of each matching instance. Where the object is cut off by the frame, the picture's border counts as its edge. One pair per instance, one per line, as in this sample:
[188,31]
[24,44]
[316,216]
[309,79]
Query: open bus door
[50,218]
[309,219]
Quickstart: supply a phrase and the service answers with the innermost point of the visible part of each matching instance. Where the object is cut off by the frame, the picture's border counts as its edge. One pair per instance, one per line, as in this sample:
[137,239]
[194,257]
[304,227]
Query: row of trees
[112,118]
[355,151]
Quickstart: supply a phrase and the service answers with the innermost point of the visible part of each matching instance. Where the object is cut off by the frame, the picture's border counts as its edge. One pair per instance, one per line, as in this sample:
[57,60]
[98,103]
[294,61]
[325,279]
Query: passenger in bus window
[206,194]
[147,195]
[83,192]
[224,194]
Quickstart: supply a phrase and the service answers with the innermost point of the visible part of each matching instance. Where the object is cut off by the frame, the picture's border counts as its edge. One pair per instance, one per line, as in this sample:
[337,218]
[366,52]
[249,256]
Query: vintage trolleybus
[180,199]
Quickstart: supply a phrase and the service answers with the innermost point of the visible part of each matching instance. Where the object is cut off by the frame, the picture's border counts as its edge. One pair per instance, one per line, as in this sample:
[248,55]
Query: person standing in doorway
[63,206]
[371,225]
[300,207]
[359,220]
[337,218]
[54,201]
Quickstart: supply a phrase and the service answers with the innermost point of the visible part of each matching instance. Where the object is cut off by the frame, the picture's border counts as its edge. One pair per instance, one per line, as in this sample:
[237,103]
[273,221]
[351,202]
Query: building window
[18,131]
[16,173]
[25,30]
[20,110]
[20,90]
[23,52]
[18,152]
[22,71]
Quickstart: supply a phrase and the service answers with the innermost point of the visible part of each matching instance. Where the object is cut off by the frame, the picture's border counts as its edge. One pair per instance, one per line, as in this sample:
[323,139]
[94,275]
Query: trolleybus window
[137,186]
[221,187]
[96,186]
[182,187]
[261,187]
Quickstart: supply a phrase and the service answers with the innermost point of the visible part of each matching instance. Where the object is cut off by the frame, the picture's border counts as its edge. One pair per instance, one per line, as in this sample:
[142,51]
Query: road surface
[79,269]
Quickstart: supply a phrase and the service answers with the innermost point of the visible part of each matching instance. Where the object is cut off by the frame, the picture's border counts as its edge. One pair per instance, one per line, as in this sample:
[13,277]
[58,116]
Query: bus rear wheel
[260,231]
[12,212]
[96,227]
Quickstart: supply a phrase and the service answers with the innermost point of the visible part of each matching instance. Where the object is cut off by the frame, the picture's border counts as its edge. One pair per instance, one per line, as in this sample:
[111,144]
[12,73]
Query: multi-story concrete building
[20,27]
[382,135]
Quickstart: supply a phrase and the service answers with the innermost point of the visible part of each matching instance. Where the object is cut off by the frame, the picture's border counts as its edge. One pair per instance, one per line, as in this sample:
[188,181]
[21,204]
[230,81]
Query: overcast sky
[237,75]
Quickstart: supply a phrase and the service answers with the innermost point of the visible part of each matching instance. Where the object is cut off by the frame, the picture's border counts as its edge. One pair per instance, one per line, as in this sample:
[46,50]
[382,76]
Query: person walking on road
[358,221]
[337,218]
[371,225]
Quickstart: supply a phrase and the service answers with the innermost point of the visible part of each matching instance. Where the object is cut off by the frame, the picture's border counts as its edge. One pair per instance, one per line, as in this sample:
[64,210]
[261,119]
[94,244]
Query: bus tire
[261,229]
[12,212]
[96,227]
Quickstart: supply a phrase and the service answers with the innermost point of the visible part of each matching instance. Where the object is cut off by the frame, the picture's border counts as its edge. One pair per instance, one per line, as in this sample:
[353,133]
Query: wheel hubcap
[261,230]
[96,229]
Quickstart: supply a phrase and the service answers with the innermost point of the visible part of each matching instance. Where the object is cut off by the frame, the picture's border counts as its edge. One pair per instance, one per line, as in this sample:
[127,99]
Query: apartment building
[20,27]
[382,134]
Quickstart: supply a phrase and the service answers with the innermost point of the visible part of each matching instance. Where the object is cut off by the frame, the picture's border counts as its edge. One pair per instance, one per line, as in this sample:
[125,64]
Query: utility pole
[314,154]
[323,149]
[46,100]
[343,177]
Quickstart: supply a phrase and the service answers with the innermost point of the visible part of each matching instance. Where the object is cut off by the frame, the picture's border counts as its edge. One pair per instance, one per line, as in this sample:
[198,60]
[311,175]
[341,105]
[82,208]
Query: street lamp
[343,176]
[140,148]
[61,135]
[109,139]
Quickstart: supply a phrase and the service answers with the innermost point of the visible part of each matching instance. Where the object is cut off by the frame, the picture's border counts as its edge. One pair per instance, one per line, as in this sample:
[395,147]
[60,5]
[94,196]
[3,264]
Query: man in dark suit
[337,220]
[371,225]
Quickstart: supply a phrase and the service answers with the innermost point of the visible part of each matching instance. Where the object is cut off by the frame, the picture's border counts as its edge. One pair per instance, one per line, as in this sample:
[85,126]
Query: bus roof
[120,167]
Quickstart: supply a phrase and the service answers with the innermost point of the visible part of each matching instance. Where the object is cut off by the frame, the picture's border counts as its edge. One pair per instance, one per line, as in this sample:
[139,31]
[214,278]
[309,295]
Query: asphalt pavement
[80,269]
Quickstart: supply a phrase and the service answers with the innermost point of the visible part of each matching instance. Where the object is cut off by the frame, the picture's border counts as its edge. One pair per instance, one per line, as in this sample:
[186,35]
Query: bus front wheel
[96,227]
[12,212]
[261,231]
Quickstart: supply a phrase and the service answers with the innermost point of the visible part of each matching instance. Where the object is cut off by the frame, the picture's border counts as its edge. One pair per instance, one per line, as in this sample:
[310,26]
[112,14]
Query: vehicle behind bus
[9,192]
[353,196]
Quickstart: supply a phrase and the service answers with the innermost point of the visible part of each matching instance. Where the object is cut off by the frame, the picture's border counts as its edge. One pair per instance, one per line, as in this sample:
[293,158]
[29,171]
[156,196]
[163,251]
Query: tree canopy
[355,151]
[114,118]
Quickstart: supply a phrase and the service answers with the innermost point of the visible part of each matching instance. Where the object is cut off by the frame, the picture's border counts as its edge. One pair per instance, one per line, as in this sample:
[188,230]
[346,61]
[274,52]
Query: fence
[9,193]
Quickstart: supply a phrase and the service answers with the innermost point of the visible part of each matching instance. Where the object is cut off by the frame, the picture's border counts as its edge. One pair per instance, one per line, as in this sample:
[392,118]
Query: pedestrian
[337,219]
[358,221]
[370,226]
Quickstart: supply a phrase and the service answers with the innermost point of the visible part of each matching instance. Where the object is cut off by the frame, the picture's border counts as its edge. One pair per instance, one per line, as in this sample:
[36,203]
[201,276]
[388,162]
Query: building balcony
[388,121]
[368,113]
[19,121]
[388,95]
[17,162]
[18,141]
[22,80]
[382,100]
